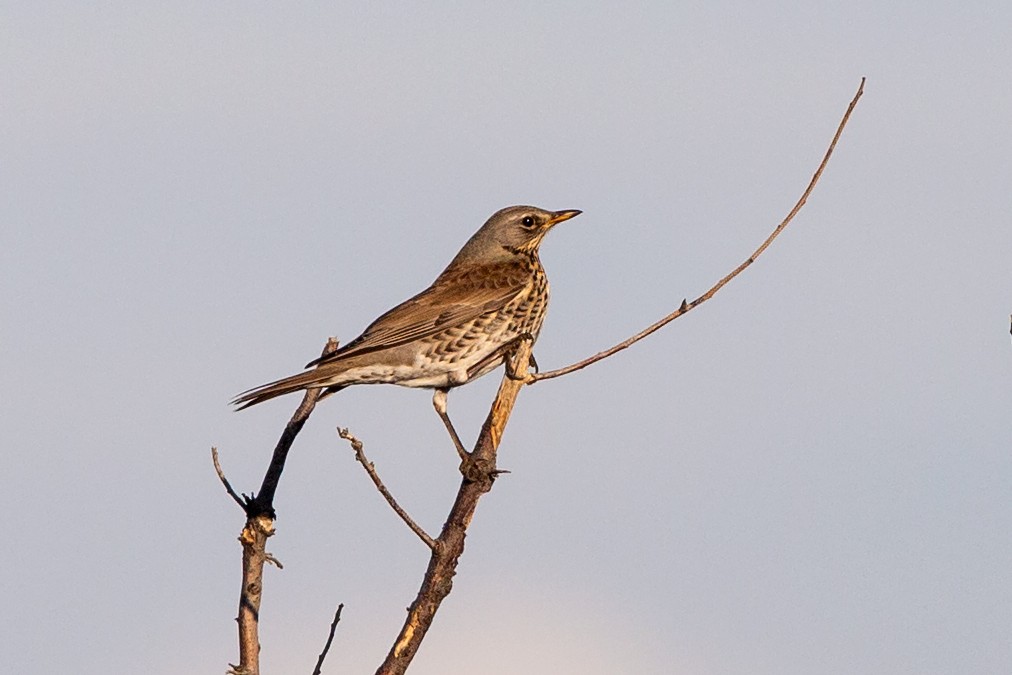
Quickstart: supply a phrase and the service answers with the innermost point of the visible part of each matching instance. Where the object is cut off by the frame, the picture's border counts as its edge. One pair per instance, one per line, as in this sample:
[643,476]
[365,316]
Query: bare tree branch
[264,500]
[370,469]
[224,481]
[259,527]
[479,468]
[330,639]
[479,473]
[686,306]
[254,543]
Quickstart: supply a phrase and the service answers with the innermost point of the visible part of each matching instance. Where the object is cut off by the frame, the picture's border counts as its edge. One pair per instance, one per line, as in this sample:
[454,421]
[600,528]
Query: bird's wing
[454,298]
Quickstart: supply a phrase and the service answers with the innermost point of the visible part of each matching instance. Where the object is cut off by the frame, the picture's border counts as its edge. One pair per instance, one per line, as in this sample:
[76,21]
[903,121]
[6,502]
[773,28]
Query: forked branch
[259,527]
[480,471]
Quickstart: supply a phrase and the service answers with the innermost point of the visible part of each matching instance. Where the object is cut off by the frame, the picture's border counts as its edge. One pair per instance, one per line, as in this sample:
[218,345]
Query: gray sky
[809,474]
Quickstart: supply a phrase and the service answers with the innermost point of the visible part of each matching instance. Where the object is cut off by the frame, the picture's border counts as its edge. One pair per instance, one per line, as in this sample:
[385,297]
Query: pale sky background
[809,474]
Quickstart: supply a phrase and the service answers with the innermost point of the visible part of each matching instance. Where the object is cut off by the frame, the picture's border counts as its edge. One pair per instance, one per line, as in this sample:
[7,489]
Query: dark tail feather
[281,387]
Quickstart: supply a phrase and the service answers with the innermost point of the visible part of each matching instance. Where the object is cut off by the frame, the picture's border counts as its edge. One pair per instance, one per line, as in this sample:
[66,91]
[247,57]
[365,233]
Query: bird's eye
[528,221]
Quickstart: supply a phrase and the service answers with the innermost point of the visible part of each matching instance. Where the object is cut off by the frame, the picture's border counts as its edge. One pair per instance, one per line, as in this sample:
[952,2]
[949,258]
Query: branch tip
[224,481]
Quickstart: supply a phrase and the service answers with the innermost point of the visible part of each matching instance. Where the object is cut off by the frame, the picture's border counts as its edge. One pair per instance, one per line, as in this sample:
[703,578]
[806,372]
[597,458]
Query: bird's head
[515,230]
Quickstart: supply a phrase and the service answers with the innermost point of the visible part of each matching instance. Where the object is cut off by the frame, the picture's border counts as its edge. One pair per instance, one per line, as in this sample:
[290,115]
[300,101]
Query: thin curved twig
[330,639]
[370,469]
[686,306]
[224,481]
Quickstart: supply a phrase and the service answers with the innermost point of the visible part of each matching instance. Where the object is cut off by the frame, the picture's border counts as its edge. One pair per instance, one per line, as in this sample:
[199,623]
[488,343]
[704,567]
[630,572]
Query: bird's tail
[287,385]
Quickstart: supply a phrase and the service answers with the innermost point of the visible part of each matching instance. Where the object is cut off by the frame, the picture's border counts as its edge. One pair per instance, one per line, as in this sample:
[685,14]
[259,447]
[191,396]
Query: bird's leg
[439,403]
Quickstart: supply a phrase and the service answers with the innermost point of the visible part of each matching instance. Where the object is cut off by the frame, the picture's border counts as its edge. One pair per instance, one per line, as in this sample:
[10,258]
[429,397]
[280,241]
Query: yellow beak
[559,216]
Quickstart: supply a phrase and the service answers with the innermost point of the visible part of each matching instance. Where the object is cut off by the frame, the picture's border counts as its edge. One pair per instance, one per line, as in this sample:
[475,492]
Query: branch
[686,306]
[224,481]
[330,639]
[259,526]
[370,468]
[479,474]
[263,503]
[479,470]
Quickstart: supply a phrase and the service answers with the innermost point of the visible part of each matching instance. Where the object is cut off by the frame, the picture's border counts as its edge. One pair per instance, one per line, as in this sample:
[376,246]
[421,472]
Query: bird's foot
[511,347]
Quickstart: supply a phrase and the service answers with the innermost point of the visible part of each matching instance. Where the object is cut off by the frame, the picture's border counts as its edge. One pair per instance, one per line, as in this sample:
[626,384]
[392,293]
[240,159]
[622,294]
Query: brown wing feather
[456,297]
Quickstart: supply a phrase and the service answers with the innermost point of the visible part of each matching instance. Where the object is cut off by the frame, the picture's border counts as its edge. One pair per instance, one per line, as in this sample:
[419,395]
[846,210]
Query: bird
[464,325]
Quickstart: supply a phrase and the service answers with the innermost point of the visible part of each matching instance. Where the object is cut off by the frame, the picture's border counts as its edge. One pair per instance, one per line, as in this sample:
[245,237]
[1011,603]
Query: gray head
[515,230]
